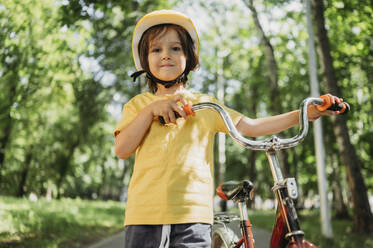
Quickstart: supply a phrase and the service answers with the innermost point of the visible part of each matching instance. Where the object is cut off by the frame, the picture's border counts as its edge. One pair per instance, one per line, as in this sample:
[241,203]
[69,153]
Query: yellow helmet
[161,17]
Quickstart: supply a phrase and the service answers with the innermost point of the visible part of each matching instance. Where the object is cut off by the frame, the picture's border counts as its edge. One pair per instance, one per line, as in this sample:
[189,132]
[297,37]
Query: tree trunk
[58,184]
[103,181]
[7,121]
[276,106]
[363,220]
[22,184]
[64,164]
[341,210]
[3,143]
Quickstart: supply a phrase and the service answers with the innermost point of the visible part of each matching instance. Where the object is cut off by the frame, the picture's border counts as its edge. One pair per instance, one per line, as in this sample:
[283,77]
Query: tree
[41,68]
[363,220]
[275,105]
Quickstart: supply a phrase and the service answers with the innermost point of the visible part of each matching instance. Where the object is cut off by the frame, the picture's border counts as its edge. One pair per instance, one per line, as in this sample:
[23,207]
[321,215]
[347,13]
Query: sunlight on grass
[344,237]
[57,223]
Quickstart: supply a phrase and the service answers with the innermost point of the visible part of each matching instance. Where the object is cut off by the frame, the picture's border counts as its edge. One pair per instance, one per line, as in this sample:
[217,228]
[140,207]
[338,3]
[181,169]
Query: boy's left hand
[314,112]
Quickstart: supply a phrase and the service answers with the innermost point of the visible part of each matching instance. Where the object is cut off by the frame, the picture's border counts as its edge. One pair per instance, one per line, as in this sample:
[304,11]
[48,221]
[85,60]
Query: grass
[57,223]
[344,237]
[77,223]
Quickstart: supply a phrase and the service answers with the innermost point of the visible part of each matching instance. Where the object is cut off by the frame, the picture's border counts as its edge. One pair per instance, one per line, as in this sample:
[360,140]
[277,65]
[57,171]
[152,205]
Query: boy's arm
[279,123]
[130,137]
[267,125]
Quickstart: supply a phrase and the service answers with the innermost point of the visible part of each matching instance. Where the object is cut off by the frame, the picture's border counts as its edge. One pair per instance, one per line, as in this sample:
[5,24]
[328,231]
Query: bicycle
[286,231]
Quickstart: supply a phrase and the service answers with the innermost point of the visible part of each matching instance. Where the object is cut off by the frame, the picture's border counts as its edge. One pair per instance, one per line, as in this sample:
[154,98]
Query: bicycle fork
[286,232]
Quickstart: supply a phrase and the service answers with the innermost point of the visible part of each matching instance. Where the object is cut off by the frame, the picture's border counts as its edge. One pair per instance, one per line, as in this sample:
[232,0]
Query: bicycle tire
[224,237]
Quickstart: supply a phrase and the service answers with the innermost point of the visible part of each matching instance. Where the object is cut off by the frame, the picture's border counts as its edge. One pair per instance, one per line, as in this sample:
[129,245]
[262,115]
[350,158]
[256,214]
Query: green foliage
[351,31]
[343,235]
[57,223]
[61,65]
[64,73]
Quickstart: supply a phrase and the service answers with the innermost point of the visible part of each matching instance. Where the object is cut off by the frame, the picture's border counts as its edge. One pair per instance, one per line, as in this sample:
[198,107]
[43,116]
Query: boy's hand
[314,112]
[166,108]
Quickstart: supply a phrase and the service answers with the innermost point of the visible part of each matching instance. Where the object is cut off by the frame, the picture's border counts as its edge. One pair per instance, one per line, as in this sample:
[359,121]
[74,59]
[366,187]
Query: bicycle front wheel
[224,237]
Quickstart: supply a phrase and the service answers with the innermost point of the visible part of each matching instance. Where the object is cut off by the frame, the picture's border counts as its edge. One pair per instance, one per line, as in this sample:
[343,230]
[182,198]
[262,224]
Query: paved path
[115,241]
[262,239]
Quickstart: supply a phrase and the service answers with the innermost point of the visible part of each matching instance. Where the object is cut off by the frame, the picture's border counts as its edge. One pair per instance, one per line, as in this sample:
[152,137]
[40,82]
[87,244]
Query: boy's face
[166,57]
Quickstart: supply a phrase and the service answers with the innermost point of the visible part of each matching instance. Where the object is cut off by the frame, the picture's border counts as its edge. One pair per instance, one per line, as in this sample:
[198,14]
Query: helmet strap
[182,78]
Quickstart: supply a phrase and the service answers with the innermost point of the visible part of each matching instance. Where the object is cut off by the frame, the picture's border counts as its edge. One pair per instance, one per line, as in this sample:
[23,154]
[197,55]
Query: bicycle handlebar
[274,142]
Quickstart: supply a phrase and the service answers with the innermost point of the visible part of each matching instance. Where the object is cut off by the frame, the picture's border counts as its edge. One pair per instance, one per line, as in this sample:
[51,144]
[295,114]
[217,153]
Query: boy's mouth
[167,65]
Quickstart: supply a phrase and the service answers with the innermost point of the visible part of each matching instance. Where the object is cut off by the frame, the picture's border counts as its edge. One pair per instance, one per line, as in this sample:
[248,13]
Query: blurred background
[64,77]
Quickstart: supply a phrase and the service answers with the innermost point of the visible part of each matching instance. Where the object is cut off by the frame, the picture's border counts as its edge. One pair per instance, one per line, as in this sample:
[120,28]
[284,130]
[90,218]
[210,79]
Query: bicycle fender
[224,237]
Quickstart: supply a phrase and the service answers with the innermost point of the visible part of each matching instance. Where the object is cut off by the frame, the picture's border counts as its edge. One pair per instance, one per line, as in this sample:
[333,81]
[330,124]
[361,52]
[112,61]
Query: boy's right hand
[165,108]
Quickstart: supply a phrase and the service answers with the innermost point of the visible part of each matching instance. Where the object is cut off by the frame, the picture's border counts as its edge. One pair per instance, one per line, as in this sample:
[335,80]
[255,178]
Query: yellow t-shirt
[172,180]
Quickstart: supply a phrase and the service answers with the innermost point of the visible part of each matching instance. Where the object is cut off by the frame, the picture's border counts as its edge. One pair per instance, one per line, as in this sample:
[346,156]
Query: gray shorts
[196,235]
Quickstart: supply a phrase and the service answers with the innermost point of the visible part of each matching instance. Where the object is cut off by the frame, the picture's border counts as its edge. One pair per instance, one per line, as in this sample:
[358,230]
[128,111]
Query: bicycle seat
[236,191]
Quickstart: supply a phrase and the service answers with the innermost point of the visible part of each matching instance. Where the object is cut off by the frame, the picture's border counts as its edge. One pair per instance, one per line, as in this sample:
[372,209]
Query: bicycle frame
[286,231]
[245,224]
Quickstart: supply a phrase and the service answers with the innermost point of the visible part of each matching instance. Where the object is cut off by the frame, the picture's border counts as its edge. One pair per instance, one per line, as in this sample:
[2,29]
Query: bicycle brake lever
[338,107]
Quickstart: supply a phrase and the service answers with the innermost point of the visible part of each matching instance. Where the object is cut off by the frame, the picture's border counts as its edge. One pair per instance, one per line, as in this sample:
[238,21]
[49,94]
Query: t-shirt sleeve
[128,114]
[236,117]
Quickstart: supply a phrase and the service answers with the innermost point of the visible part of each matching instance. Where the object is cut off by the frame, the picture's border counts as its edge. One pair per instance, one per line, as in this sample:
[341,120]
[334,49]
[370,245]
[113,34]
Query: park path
[262,239]
[115,241]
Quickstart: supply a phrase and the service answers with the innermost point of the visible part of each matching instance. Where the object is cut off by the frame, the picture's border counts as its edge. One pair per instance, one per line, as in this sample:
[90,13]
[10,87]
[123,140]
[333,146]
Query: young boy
[171,189]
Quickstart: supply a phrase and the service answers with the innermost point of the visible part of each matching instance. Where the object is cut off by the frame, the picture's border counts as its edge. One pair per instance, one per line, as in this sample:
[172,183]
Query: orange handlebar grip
[327,103]
[188,109]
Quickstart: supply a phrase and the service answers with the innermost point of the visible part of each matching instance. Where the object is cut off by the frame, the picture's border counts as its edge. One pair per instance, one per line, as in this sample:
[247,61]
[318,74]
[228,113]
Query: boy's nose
[165,55]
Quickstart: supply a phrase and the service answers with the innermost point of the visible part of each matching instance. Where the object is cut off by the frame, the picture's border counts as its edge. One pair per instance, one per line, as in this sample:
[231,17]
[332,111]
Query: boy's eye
[176,48]
[156,50]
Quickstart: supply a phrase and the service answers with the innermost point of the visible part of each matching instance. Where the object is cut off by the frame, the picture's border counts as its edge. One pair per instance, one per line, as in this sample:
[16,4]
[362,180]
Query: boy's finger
[344,108]
[333,100]
[166,117]
[329,112]
[179,110]
[180,98]
[172,117]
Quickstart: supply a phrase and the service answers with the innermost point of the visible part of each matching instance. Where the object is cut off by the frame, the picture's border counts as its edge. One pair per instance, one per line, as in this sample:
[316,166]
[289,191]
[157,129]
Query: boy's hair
[186,44]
